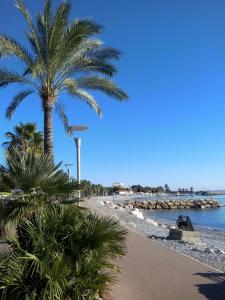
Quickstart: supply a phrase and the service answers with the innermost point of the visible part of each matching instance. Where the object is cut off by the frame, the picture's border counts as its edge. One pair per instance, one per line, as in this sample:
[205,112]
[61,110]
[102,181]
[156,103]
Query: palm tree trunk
[48,135]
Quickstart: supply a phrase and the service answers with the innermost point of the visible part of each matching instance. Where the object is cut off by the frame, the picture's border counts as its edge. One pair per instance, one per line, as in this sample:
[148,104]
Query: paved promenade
[152,272]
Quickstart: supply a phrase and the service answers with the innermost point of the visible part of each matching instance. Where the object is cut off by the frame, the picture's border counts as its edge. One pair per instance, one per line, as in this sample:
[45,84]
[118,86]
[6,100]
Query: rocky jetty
[173,204]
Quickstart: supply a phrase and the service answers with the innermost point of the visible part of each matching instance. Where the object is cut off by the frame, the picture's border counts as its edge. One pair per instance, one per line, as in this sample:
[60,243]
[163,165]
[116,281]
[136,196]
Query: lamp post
[78,145]
[68,170]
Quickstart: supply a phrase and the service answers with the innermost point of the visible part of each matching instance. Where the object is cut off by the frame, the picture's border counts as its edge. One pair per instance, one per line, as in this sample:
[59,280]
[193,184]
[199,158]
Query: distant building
[124,193]
[121,189]
[119,185]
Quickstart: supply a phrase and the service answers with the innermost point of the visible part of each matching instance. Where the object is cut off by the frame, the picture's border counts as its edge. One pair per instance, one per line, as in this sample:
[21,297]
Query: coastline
[210,251]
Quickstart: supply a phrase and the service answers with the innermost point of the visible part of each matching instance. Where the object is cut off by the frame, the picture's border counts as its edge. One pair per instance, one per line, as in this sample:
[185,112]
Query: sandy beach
[158,269]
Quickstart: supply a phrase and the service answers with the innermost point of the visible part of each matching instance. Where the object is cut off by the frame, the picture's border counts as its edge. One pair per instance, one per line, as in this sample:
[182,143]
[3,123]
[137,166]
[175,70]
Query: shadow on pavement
[214,290]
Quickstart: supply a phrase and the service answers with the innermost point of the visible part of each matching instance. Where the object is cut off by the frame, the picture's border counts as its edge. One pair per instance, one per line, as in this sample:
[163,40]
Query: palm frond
[7,77]
[36,69]
[62,251]
[62,114]
[6,144]
[102,84]
[27,170]
[80,30]
[60,23]
[48,14]
[88,99]
[10,134]
[20,5]
[105,53]
[32,35]
[17,101]
[73,59]
[82,94]
[96,66]
[43,32]
[13,139]
[34,42]
[10,47]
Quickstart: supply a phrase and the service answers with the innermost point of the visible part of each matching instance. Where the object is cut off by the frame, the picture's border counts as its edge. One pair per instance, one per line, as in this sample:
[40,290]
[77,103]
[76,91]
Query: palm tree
[38,179]
[25,137]
[61,252]
[64,57]
[30,170]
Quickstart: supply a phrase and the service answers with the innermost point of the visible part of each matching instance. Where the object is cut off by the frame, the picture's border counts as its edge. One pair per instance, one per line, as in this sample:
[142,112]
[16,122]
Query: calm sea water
[210,218]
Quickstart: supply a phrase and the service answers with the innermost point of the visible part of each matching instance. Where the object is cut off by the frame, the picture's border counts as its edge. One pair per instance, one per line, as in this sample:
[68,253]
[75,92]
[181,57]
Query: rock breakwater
[173,204]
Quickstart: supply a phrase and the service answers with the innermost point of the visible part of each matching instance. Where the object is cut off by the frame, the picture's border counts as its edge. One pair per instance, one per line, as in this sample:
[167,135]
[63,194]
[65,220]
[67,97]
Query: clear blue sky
[172,130]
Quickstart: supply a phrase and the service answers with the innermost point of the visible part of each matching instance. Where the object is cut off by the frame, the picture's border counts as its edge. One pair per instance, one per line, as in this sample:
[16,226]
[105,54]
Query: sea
[213,218]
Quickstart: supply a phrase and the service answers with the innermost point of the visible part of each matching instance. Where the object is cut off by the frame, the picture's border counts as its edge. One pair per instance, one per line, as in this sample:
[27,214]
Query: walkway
[152,272]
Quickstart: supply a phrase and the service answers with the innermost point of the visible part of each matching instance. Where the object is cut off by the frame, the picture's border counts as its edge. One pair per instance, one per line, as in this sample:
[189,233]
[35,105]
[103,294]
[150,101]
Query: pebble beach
[210,250]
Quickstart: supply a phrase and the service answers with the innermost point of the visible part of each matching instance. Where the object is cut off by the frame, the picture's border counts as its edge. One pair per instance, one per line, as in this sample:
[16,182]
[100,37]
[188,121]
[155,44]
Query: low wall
[173,204]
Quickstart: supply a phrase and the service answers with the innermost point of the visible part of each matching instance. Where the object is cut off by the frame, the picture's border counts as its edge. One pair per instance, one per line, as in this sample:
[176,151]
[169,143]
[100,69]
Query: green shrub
[30,170]
[61,252]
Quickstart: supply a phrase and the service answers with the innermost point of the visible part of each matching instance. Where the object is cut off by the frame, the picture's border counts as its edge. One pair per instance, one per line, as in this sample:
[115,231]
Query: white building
[124,189]
[119,184]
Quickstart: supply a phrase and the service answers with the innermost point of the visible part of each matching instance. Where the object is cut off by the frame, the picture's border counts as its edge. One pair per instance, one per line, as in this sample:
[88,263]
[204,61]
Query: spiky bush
[30,170]
[39,180]
[61,253]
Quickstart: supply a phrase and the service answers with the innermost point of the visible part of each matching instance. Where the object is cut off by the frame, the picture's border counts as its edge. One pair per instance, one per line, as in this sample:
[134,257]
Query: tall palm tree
[25,137]
[64,57]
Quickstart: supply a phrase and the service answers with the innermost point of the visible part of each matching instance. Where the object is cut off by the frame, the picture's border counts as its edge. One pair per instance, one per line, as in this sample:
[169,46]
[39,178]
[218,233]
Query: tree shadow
[214,290]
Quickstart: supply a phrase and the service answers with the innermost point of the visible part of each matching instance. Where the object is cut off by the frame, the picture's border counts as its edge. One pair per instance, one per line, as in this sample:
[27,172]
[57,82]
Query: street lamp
[68,170]
[78,145]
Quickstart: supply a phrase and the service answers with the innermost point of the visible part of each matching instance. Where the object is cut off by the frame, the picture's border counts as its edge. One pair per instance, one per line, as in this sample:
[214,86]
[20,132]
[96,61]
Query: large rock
[144,206]
[150,206]
[183,235]
[152,222]
[199,204]
[136,212]
[207,206]
[158,206]
[193,205]
[130,205]
[110,204]
[165,205]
